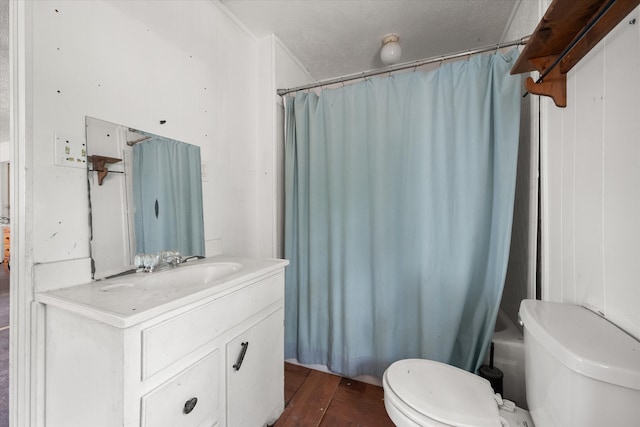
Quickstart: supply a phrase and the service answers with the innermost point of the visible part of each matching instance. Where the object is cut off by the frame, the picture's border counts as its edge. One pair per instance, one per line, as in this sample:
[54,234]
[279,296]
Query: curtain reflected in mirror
[167,190]
[145,195]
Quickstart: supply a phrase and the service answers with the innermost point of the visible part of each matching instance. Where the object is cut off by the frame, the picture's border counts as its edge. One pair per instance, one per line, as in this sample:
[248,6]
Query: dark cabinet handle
[238,364]
[189,405]
[157,208]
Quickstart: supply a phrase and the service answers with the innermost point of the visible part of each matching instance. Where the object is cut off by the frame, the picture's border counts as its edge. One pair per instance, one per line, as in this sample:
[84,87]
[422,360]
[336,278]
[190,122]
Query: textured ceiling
[338,37]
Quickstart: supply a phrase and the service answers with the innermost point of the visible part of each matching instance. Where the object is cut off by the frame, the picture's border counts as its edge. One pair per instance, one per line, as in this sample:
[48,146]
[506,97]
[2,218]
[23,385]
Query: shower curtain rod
[404,66]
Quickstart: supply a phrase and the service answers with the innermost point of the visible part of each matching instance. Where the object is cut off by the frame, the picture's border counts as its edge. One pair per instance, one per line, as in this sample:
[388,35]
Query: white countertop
[130,299]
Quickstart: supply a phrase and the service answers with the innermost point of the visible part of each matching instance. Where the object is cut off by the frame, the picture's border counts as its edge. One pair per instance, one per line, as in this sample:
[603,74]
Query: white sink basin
[197,274]
[185,275]
[116,286]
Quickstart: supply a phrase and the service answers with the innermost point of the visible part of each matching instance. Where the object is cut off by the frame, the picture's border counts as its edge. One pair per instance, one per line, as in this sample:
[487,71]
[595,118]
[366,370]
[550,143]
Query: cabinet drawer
[173,339]
[190,399]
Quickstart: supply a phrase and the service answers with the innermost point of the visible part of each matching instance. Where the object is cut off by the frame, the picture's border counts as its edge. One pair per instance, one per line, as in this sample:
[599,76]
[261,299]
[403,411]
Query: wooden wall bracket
[553,85]
[100,165]
[568,30]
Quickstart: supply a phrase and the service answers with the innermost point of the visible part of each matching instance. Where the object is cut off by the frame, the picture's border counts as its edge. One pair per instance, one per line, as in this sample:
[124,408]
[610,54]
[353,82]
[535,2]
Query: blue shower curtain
[399,199]
[167,188]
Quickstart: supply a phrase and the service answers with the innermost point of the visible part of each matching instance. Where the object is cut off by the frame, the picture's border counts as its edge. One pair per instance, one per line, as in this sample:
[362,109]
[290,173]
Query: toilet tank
[580,369]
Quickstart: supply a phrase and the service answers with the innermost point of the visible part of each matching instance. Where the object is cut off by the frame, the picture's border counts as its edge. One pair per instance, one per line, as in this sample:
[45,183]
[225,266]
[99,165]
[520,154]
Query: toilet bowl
[419,392]
[580,370]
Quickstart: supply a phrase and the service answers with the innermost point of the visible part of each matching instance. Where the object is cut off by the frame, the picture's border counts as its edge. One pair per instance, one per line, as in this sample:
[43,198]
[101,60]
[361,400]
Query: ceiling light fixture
[391,51]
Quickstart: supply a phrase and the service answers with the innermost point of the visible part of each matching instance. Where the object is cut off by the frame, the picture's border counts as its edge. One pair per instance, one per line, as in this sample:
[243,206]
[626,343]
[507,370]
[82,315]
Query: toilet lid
[444,393]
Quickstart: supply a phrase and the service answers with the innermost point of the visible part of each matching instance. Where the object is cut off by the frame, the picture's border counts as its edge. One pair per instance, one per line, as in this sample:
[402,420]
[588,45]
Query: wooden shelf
[560,27]
[100,165]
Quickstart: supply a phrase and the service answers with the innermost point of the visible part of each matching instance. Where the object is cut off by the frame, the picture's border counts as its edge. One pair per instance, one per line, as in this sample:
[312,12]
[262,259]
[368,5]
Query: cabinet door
[255,373]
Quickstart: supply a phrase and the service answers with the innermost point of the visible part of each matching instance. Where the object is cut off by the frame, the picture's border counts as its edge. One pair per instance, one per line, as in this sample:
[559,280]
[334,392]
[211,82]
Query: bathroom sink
[130,299]
[115,286]
[207,273]
[195,274]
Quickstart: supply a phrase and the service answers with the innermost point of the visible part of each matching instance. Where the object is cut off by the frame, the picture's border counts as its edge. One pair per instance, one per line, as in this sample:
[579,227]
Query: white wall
[280,69]
[4,73]
[590,160]
[136,63]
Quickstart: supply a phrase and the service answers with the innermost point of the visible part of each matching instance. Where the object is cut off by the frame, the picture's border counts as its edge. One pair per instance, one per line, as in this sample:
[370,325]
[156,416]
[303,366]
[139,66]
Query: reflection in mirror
[145,196]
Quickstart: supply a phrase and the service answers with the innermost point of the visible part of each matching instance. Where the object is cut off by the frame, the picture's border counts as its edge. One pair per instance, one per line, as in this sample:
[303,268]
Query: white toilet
[580,369]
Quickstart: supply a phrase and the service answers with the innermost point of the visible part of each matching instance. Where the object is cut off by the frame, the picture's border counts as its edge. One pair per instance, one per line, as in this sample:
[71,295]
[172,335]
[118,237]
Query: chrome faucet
[148,263]
[172,258]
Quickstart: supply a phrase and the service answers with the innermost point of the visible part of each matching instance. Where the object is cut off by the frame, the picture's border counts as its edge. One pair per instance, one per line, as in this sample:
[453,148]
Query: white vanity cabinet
[128,353]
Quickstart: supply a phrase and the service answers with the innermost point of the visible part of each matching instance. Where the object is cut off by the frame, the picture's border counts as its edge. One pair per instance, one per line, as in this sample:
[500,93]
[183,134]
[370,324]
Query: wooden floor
[314,398]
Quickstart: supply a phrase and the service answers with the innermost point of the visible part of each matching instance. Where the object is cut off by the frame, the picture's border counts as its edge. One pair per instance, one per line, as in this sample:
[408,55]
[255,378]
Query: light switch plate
[70,151]
[204,170]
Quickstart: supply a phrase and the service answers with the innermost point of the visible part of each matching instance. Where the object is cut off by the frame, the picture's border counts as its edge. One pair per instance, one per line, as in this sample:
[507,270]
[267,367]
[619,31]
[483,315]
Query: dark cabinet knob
[189,405]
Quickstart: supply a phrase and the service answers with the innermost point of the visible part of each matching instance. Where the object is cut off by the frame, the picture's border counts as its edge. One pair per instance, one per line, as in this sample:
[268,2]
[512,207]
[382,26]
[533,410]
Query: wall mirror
[145,196]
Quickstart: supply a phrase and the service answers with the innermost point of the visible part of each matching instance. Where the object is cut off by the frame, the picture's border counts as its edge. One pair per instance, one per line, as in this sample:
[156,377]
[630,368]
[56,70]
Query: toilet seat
[433,393]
